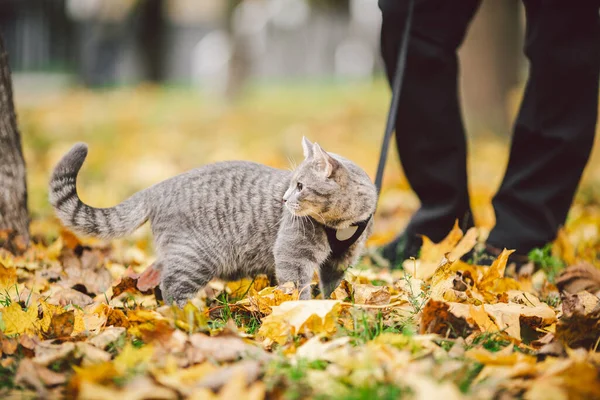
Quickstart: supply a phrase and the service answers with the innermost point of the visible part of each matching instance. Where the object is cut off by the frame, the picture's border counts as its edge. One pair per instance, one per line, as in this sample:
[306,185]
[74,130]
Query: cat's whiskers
[320,216]
[311,221]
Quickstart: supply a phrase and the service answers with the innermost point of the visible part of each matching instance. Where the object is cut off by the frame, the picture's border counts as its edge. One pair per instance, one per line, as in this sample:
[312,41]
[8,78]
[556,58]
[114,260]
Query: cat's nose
[283,201]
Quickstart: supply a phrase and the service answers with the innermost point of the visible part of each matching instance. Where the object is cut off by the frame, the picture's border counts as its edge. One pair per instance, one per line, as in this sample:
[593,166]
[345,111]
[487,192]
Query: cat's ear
[307,146]
[326,163]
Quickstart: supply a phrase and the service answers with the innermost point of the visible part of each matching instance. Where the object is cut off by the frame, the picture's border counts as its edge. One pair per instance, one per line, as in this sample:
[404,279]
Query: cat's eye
[299,186]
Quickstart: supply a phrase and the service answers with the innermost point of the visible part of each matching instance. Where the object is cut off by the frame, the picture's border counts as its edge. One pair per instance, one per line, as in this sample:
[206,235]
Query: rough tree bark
[13,187]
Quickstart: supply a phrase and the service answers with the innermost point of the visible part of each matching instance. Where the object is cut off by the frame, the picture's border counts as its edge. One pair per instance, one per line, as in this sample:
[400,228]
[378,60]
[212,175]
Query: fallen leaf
[509,317]
[27,376]
[17,321]
[61,325]
[47,352]
[8,277]
[577,278]
[300,317]
[107,336]
[369,294]
[435,252]
[580,323]
[223,348]
[149,279]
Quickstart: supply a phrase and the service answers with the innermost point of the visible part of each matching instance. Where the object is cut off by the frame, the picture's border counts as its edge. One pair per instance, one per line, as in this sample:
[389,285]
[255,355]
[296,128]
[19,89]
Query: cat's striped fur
[233,219]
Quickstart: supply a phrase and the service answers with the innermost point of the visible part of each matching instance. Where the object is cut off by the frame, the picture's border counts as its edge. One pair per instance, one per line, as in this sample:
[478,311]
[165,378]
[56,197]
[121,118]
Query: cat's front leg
[296,262]
[299,272]
[330,275]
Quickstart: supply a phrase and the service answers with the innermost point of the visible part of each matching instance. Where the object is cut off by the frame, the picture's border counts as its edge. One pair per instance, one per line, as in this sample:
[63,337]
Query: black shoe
[402,248]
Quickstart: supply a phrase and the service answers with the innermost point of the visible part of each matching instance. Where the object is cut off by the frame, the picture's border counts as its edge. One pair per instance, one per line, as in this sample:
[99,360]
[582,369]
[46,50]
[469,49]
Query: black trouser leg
[429,130]
[554,132]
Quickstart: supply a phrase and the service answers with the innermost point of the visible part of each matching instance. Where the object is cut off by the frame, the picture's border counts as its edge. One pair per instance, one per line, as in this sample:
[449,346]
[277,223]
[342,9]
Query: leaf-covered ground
[79,318]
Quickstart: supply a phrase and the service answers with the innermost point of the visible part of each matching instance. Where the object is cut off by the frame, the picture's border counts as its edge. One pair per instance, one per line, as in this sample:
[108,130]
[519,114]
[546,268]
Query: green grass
[491,341]
[549,263]
[469,376]
[382,391]
[368,327]
[246,321]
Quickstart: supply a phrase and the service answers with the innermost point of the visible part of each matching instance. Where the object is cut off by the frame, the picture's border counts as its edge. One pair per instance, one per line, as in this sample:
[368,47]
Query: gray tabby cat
[235,219]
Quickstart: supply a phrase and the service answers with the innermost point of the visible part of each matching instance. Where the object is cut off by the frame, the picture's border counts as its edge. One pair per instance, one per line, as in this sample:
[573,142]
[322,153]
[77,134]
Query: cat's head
[330,188]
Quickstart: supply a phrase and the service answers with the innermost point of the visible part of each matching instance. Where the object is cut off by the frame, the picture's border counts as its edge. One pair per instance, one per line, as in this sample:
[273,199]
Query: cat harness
[340,240]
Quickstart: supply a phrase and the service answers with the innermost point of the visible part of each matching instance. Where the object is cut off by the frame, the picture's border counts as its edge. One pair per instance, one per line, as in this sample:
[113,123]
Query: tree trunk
[13,187]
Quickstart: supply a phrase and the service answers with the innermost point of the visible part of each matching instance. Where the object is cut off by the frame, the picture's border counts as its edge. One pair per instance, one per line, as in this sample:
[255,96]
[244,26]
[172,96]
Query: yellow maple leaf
[17,321]
[434,252]
[495,271]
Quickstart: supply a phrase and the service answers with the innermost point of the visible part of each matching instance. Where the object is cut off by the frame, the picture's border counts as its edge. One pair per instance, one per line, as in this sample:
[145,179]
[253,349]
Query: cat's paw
[178,298]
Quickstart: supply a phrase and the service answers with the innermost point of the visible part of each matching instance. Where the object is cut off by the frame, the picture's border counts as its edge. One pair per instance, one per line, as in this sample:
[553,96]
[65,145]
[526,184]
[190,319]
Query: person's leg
[429,130]
[554,131]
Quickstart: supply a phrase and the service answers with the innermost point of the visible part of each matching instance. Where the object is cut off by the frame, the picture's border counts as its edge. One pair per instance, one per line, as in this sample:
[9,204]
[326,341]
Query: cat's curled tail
[116,221]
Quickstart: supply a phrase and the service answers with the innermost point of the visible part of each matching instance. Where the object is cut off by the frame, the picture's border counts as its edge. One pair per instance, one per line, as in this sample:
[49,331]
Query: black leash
[396,88]
[339,247]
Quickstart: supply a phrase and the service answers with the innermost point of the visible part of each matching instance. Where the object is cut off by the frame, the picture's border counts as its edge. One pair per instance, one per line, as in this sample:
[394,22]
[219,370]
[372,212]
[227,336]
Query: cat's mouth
[295,209]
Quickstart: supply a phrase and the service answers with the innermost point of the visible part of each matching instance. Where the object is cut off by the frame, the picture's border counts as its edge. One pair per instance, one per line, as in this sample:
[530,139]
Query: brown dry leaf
[580,323]
[577,278]
[149,279]
[114,317]
[446,318]
[300,317]
[47,352]
[61,326]
[87,274]
[91,355]
[107,336]
[223,348]
[140,388]
[235,382]
[509,317]
[50,378]
[343,291]
[48,312]
[130,283]
[68,296]
[482,319]
[442,280]
[369,294]
[8,345]
[27,376]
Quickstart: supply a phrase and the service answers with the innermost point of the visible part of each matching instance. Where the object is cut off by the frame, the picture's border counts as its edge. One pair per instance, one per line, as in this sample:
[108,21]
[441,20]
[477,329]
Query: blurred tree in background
[13,186]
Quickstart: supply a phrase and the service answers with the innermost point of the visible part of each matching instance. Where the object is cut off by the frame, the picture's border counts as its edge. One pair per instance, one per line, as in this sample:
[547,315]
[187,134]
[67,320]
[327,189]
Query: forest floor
[79,319]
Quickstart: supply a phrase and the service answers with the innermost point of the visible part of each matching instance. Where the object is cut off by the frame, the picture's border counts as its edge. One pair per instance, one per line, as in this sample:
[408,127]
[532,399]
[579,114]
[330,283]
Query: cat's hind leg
[182,276]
